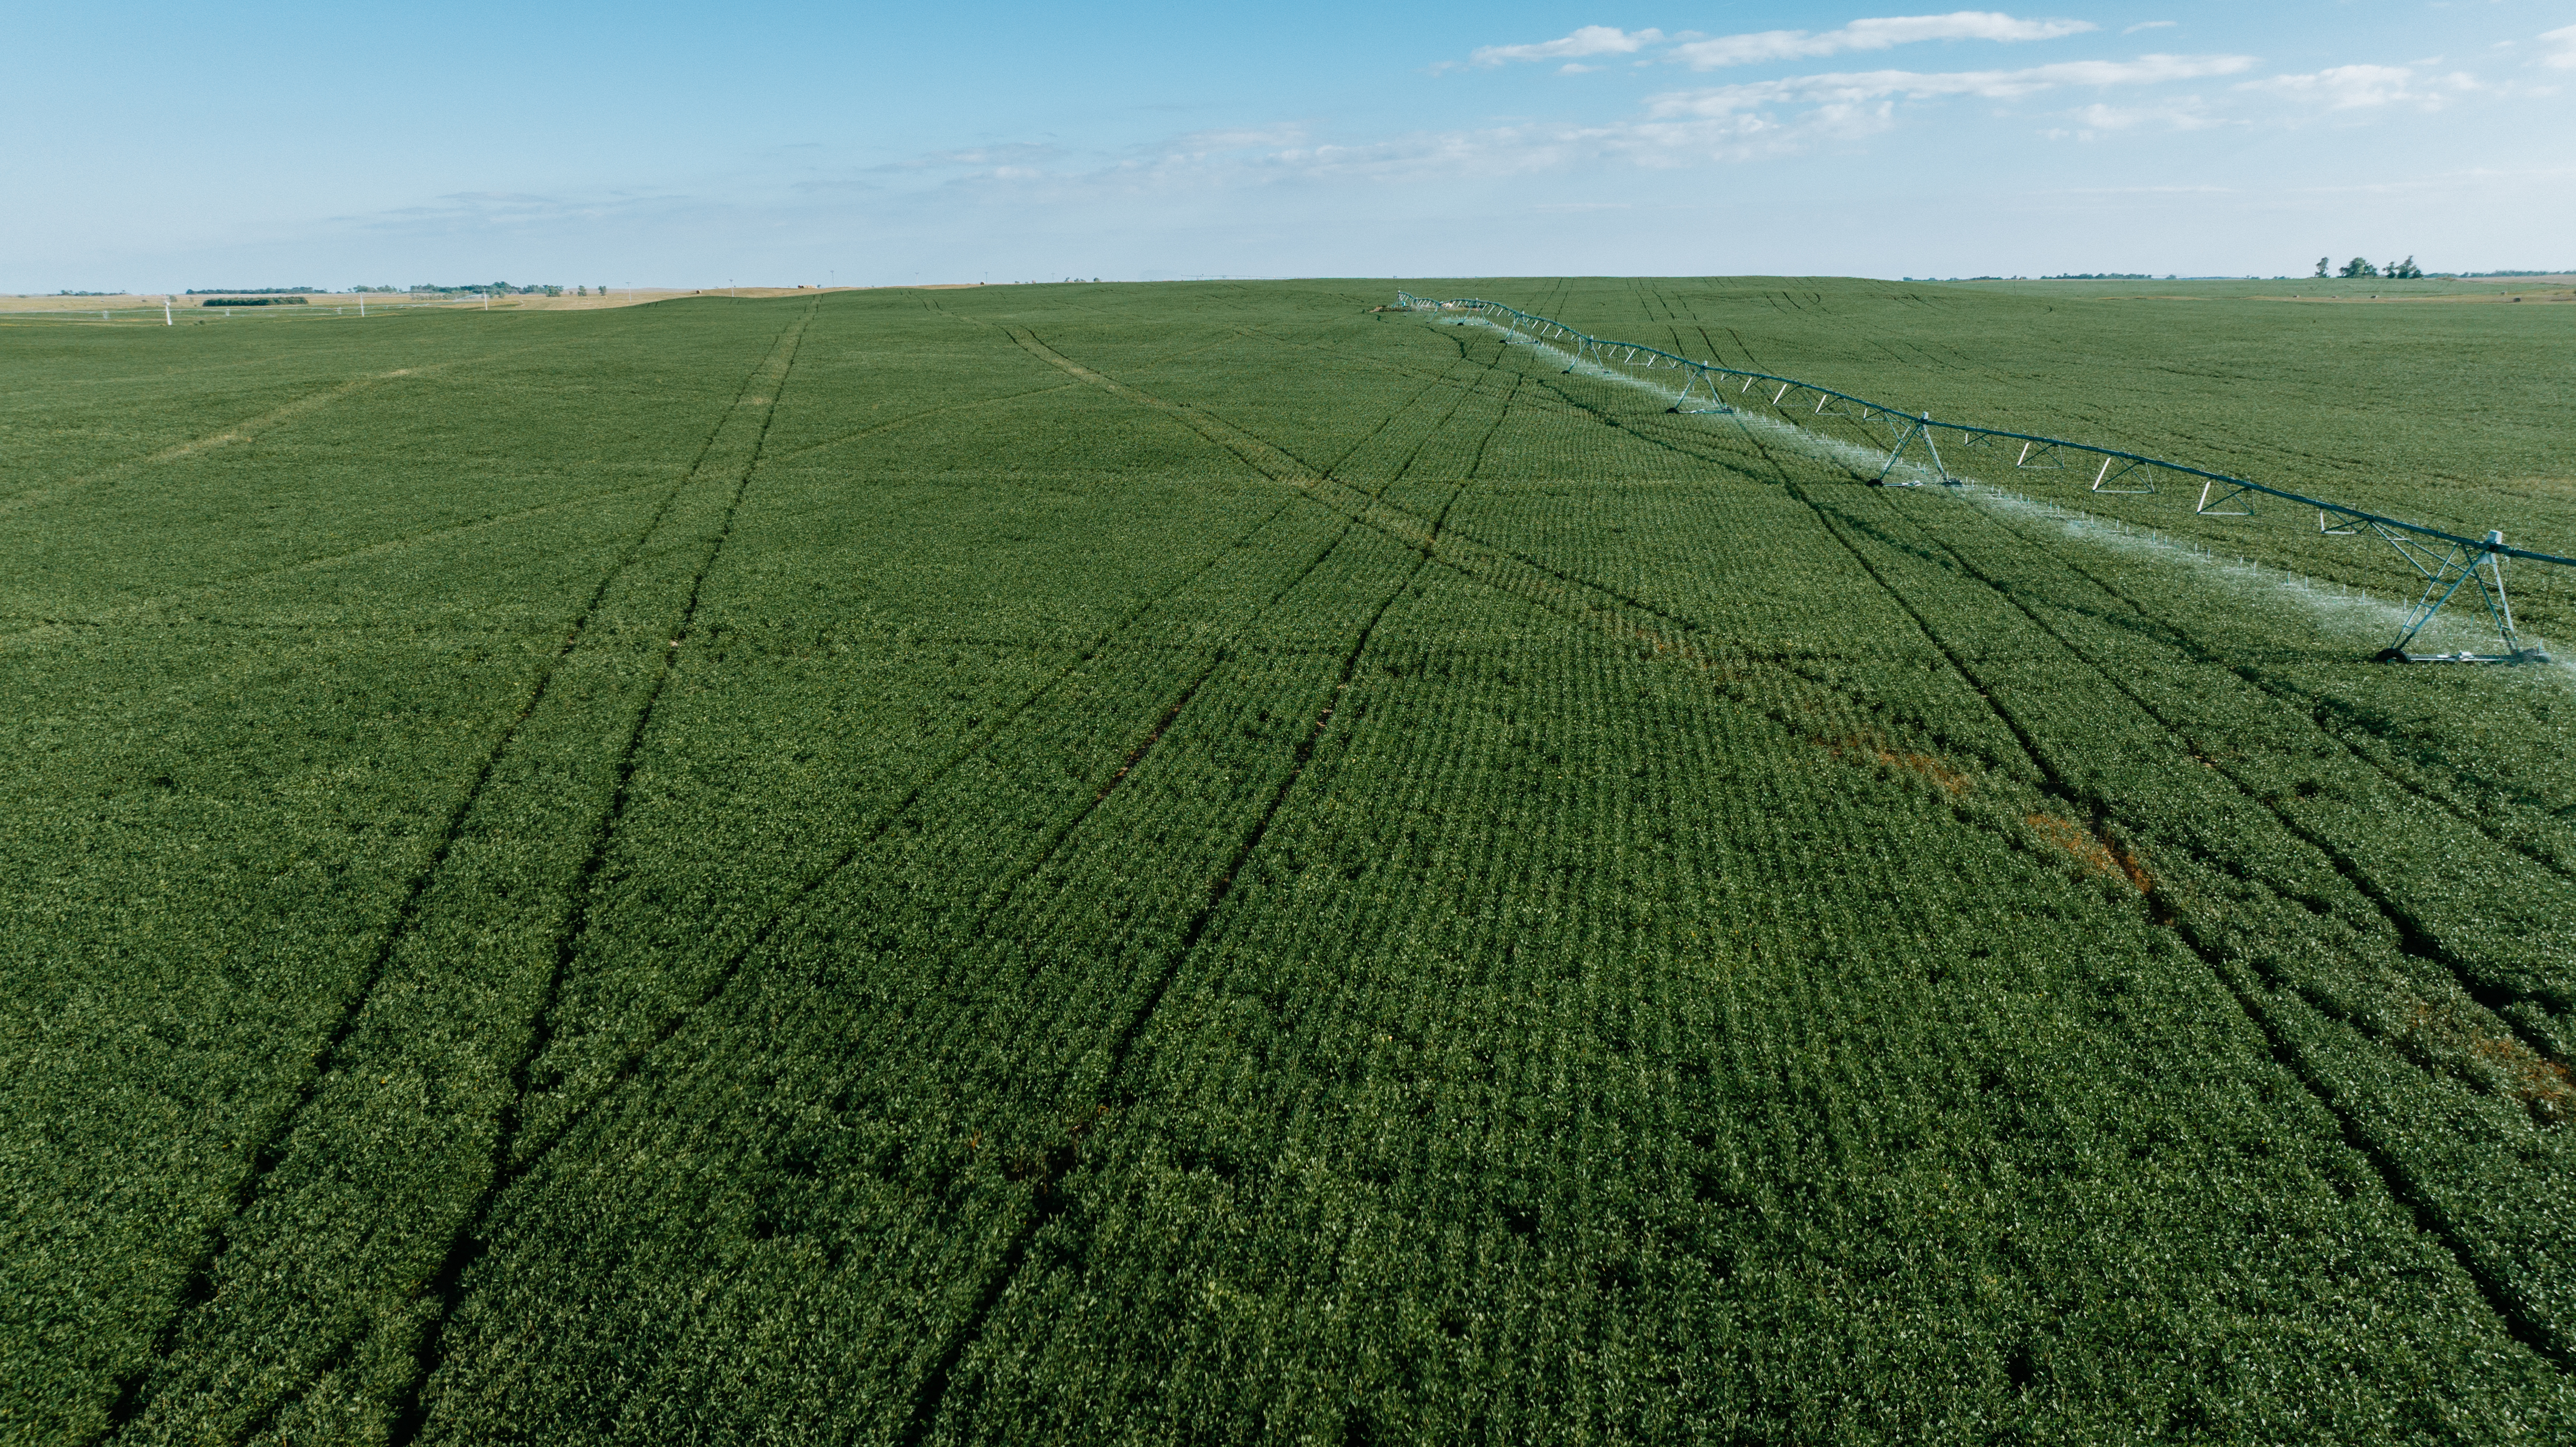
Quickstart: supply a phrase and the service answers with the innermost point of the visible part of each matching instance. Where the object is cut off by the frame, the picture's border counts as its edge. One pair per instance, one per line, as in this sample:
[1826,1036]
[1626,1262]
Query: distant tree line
[2360,267]
[254,299]
[2099,276]
[251,291]
[489,288]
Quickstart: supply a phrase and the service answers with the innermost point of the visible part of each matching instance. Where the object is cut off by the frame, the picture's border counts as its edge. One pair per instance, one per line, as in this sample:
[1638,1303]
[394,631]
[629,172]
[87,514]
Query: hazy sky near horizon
[155,145]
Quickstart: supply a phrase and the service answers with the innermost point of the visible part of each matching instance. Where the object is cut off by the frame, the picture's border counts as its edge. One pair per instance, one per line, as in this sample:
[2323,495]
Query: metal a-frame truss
[2447,562]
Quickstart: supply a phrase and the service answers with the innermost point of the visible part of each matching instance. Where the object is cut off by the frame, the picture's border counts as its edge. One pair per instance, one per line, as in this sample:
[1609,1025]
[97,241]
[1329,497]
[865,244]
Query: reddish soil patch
[2093,849]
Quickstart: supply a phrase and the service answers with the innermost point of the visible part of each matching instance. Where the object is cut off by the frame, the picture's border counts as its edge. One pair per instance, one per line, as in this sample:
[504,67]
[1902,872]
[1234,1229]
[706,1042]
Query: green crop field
[1204,862]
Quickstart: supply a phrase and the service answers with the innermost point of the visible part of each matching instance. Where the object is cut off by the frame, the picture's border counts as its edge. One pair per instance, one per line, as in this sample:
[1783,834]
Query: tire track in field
[1532,579]
[2511,1312]
[1695,444]
[414,1417]
[108,619]
[2418,939]
[1692,444]
[2414,937]
[407,540]
[787,910]
[1716,352]
[446,1285]
[1405,468]
[248,429]
[885,820]
[1233,333]
[1270,461]
[2219,443]
[1260,455]
[908,419]
[1064,832]
[1057,839]
[1218,657]
[198,1288]
[1337,350]
[1595,605]
[2498,1294]
[244,430]
[1405,406]
[1047,1200]
[2324,712]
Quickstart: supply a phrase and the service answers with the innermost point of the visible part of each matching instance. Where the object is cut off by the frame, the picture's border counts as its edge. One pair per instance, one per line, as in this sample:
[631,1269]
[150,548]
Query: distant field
[137,307]
[2479,288]
[1084,863]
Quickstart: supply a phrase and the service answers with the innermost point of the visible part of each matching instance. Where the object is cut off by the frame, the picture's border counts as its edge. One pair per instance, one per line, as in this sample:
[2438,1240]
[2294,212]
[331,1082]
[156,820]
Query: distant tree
[2405,270]
[2322,264]
[2359,267]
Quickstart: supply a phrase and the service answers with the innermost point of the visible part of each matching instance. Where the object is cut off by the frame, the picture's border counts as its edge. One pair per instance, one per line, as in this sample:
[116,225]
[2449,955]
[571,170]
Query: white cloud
[2364,87]
[1590,40]
[2186,114]
[1875,34]
[1703,126]
[2564,38]
[1858,87]
[1286,134]
[1657,144]
[2150,25]
[1197,164]
[1017,156]
[497,211]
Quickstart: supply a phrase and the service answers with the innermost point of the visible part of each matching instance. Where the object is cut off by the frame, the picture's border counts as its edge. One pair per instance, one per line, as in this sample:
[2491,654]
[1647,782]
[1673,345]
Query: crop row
[1205,863]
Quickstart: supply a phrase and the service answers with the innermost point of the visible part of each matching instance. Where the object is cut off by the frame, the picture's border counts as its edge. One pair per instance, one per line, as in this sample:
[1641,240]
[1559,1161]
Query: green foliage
[1155,862]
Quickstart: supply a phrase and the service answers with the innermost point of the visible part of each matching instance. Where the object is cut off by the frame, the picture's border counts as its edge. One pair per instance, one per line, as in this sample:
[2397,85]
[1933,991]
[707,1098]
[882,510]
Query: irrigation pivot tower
[2446,561]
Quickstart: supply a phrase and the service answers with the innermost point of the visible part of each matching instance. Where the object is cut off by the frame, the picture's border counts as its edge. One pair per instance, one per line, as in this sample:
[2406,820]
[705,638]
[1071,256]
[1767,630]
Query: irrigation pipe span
[2446,561]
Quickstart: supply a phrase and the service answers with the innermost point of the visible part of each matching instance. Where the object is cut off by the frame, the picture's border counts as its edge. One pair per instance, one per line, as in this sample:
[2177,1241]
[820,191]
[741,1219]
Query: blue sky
[150,146]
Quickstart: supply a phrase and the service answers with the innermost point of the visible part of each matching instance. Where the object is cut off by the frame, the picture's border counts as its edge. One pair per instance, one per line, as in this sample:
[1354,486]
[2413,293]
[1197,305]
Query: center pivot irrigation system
[2446,561]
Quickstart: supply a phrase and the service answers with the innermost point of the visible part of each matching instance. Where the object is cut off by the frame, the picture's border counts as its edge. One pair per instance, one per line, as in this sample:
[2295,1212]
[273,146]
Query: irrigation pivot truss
[2446,561]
